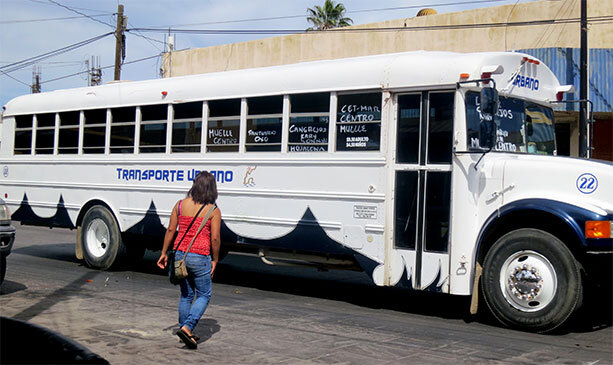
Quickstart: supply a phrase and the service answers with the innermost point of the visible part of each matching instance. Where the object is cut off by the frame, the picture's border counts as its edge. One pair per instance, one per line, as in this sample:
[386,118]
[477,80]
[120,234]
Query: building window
[45,132]
[153,128]
[264,122]
[358,124]
[123,122]
[94,131]
[23,134]
[187,127]
[223,126]
[309,122]
[68,142]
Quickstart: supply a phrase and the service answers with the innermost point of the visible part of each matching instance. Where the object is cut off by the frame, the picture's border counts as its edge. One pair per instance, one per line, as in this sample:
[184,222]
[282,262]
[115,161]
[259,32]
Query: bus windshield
[522,126]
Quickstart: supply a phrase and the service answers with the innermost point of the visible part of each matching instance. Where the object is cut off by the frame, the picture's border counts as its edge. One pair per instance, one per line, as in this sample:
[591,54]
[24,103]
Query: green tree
[330,16]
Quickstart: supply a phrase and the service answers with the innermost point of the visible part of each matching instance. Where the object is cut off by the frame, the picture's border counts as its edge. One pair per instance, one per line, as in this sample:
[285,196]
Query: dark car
[7,237]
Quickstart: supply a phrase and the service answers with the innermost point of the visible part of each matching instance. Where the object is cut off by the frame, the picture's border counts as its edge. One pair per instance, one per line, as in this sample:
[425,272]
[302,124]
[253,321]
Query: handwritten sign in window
[222,135]
[308,134]
[263,134]
[358,125]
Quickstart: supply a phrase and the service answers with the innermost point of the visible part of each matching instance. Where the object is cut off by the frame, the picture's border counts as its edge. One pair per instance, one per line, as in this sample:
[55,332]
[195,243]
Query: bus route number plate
[364,212]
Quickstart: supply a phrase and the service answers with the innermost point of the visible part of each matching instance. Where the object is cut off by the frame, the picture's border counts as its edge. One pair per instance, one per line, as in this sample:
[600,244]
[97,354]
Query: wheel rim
[528,281]
[97,238]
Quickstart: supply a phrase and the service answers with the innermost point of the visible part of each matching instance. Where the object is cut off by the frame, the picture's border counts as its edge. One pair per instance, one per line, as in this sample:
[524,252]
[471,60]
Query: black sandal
[188,340]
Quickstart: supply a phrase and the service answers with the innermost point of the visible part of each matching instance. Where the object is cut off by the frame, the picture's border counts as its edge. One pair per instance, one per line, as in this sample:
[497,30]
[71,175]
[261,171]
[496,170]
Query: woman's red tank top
[202,244]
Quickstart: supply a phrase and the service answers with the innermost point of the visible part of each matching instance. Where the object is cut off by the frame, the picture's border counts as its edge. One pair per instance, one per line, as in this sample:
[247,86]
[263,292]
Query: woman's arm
[170,233]
[215,238]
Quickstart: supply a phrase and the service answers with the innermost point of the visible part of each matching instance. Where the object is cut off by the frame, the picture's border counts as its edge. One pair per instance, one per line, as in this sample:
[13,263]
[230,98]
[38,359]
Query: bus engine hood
[583,183]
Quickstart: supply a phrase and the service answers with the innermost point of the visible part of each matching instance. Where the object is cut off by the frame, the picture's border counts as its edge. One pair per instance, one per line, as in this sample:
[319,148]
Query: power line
[349,12]
[74,7]
[49,19]
[19,81]
[102,68]
[78,12]
[388,29]
[32,60]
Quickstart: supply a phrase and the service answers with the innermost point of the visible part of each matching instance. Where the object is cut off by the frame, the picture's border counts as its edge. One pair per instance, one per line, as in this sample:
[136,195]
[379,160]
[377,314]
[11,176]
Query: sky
[30,28]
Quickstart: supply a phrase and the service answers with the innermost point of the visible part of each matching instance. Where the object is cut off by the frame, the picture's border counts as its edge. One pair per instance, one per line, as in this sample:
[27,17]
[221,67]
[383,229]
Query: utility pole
[583,83]
[35,87]
[120,46]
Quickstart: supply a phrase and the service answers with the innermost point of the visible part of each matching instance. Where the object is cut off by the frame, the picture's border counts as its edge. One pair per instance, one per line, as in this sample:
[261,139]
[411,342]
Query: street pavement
[262,315]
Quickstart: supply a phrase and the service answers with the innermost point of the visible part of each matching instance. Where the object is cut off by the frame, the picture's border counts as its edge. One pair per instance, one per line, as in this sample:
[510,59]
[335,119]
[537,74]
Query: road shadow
[55,251]
[347,286]
[10,287]
[206,328]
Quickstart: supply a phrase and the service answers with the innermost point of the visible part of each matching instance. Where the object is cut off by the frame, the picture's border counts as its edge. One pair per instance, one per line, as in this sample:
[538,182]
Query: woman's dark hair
[204,188]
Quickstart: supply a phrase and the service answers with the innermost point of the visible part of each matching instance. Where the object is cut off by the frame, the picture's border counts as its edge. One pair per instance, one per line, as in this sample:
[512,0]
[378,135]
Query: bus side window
[45,132]
[123,124]
[94,131]
[358,124]
[407,135]
[309,122]
[187,127]
[23,134]
[153,128]
[68,141]
[223,125]
[264,120]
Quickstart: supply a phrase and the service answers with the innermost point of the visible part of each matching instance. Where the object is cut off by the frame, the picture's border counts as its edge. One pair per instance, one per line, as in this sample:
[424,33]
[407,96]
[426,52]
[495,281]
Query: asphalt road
[261,314]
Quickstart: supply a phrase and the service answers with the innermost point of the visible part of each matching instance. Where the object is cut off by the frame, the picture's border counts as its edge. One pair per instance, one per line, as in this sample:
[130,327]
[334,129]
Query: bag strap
[204,221]
[188,227]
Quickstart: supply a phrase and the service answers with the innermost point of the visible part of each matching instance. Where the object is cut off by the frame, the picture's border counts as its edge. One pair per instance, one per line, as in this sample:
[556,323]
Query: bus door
[422,194]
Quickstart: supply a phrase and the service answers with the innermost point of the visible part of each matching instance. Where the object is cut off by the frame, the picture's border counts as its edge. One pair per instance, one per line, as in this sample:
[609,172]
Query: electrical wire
[74,7]
[102,68]
[78,12]
[388,29]
[50,19]
[9,76]
[348,12]
[32,60]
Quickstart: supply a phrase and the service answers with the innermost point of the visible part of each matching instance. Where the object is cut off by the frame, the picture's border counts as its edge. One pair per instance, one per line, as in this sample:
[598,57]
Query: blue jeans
[198,285]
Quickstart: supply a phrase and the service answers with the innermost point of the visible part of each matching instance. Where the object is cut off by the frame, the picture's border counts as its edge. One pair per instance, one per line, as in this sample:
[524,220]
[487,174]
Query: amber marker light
[598,229]
[464,76]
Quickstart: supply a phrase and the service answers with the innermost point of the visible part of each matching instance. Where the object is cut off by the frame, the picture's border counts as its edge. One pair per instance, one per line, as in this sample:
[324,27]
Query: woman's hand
[162,261]
[213,266]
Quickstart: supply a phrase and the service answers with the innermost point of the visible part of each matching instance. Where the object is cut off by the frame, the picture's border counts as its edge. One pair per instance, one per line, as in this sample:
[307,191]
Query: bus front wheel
[531,281]
[101,238]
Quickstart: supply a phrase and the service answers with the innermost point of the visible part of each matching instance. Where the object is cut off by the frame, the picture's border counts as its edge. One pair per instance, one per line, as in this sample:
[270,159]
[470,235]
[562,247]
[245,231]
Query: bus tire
[531,281]
[101,239]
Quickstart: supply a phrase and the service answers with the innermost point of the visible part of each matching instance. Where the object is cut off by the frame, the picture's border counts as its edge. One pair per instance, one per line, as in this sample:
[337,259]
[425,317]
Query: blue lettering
[180,175]
[229,176]
[119,173]
[125,174]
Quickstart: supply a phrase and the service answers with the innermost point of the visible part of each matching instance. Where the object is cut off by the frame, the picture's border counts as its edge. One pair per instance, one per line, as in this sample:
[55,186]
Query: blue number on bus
[587,183]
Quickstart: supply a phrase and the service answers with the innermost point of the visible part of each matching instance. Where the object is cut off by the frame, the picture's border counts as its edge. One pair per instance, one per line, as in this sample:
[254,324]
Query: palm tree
[330,16]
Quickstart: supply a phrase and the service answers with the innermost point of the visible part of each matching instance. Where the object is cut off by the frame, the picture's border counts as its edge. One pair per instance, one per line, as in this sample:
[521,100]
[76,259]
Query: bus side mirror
[489,108]
[489,101]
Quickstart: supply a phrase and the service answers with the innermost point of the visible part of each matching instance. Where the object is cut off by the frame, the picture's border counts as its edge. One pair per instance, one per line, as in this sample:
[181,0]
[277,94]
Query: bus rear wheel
[531,281]
[101,238]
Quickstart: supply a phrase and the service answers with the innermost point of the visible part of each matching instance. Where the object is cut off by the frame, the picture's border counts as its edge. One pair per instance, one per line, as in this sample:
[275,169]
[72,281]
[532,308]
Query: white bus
[386,164]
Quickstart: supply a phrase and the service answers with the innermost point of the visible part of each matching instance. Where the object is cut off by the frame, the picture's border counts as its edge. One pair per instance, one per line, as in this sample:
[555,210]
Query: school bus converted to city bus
[428,170]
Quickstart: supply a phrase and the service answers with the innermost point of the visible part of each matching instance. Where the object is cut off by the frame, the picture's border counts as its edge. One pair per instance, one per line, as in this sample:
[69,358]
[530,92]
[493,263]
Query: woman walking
[201,259]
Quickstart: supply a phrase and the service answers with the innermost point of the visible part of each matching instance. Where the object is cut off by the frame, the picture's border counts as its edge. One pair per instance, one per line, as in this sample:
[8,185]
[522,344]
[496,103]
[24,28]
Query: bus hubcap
[97,238]
[528,281]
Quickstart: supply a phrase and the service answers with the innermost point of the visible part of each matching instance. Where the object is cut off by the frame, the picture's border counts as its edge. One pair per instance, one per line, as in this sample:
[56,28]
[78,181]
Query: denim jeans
[197,285]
